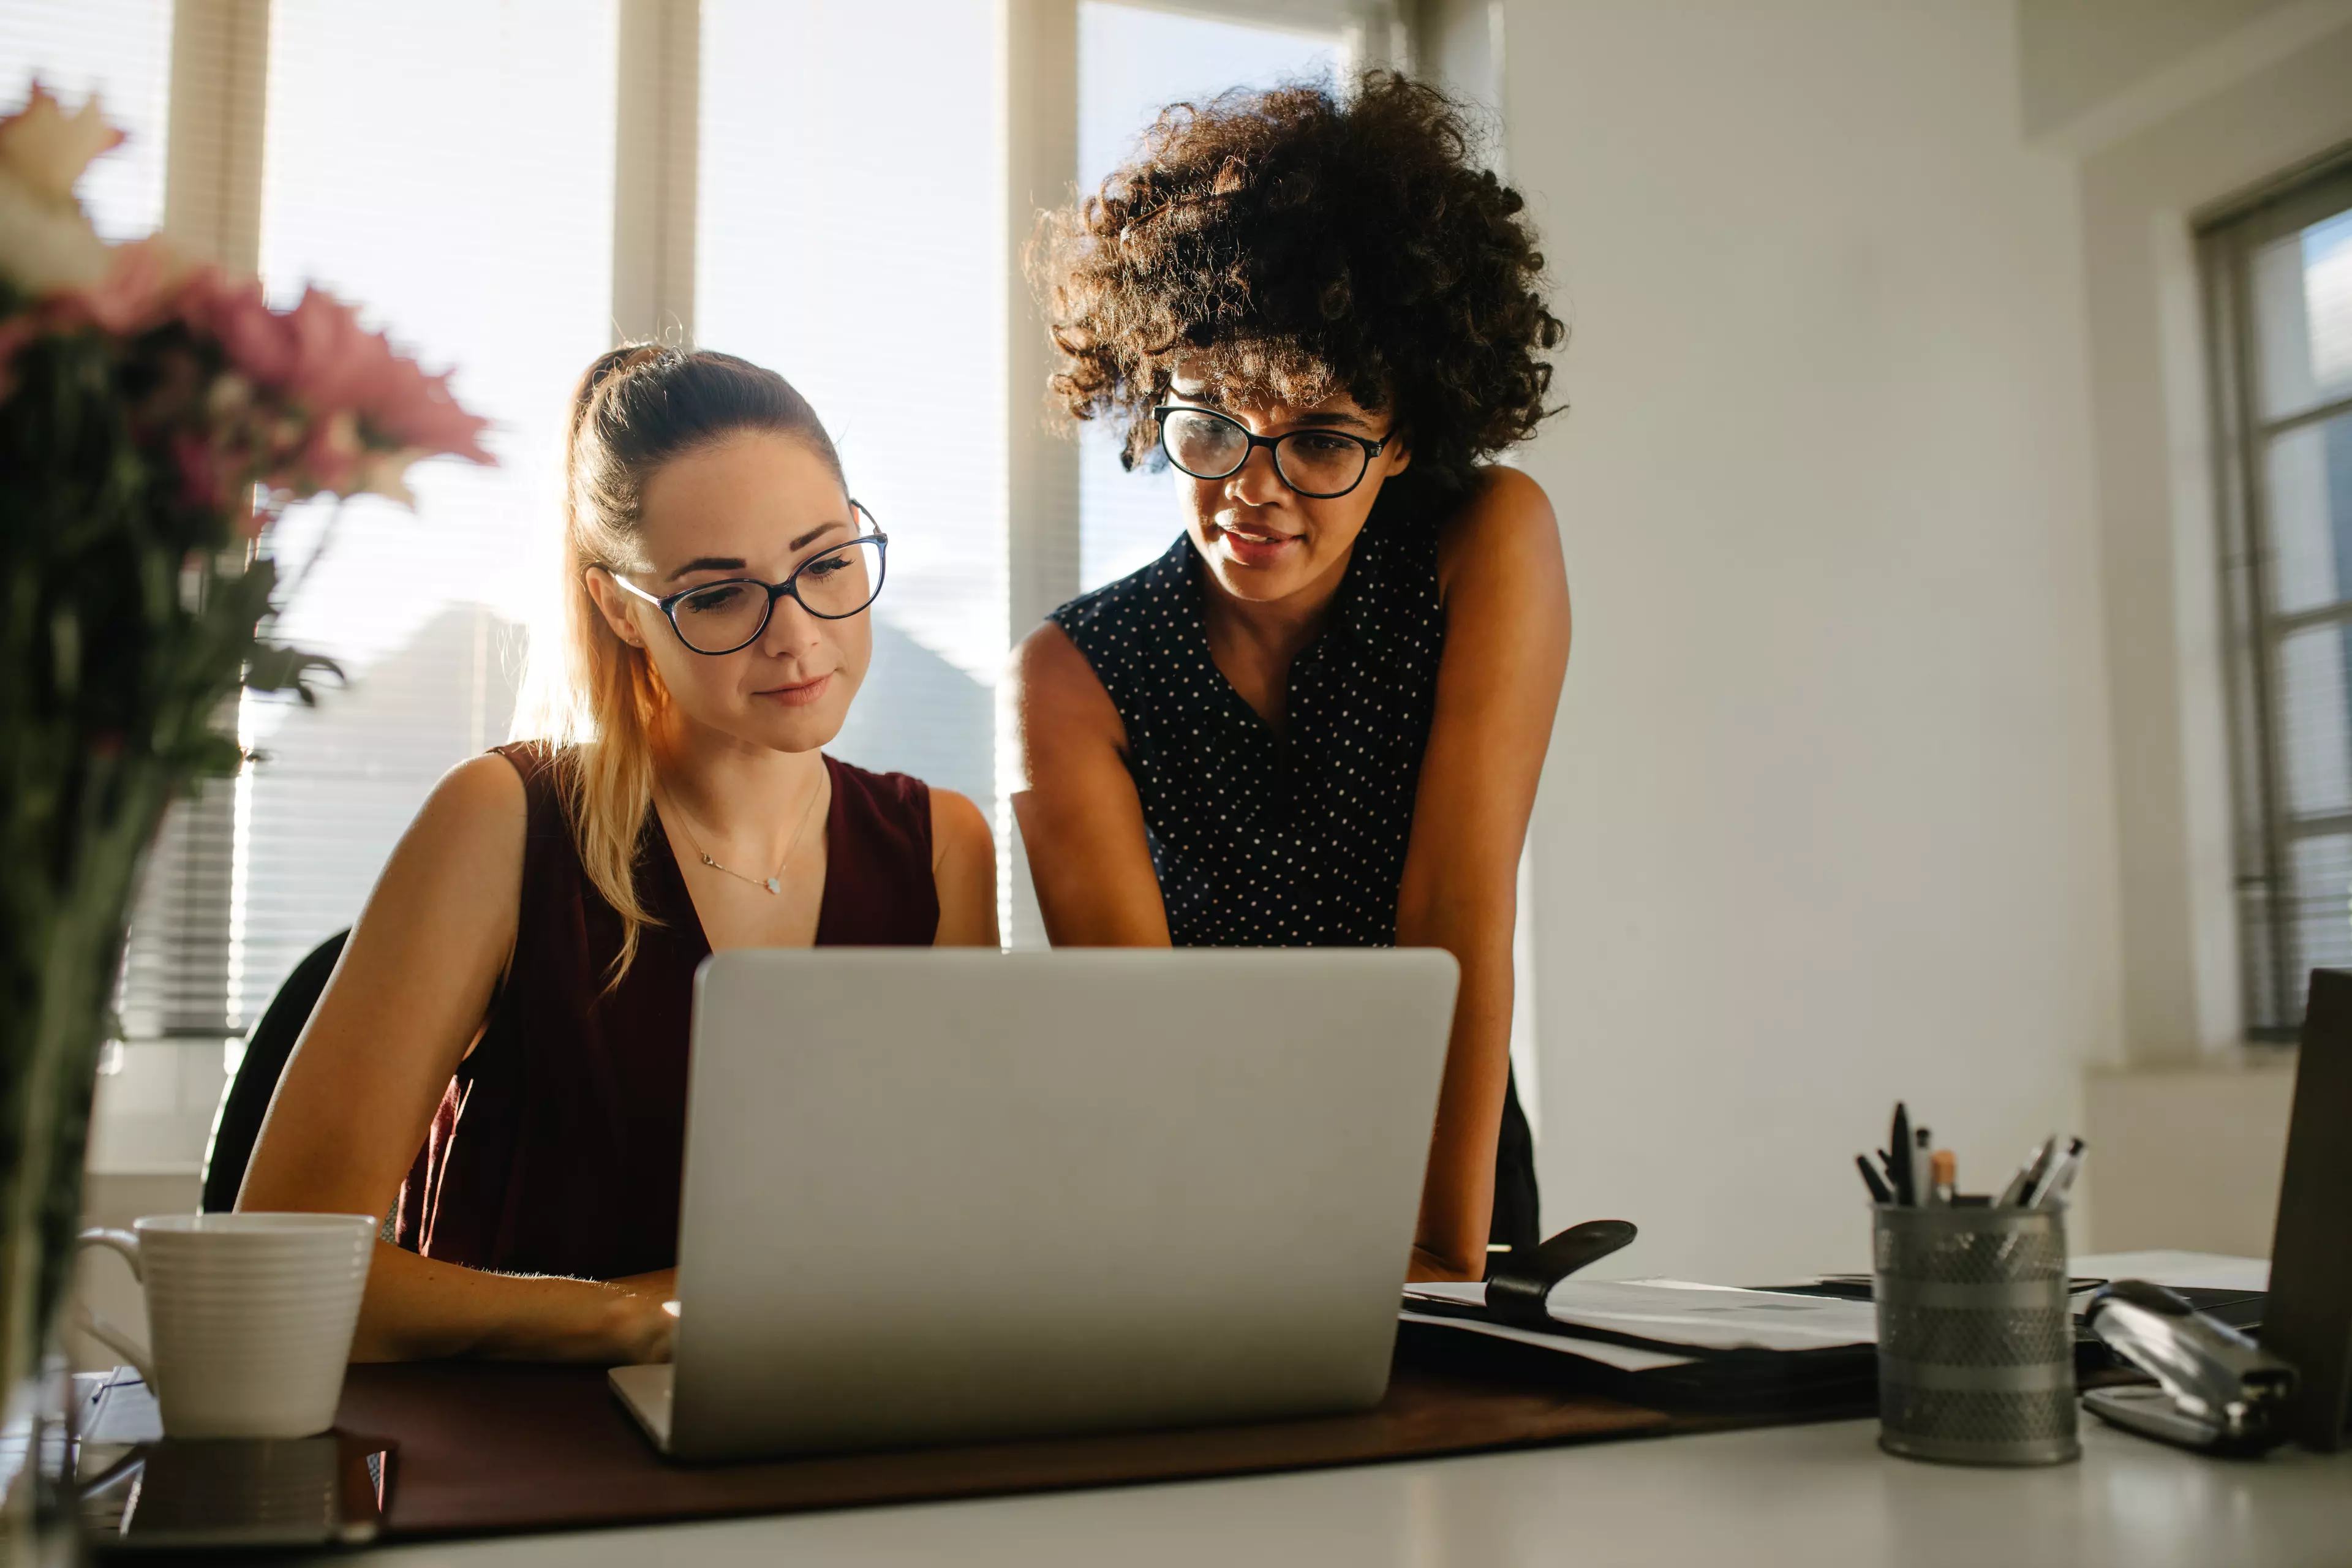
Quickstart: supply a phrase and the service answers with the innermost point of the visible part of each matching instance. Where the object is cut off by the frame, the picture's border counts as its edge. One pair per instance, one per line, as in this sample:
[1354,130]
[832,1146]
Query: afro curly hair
[1304,242]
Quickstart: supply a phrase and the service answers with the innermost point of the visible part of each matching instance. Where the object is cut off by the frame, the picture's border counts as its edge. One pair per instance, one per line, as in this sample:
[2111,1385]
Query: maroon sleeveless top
[559,1145]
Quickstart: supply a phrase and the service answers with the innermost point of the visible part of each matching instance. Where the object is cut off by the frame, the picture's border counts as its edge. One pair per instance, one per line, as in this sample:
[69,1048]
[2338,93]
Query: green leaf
[270,667]
[213,756]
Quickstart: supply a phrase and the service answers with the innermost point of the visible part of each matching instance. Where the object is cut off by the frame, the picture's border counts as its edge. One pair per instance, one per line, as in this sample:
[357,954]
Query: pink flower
[418,413]
[141,288]
[340,365]
[336,361]
[200,477]
[235,315]
[329,458]
[320,358]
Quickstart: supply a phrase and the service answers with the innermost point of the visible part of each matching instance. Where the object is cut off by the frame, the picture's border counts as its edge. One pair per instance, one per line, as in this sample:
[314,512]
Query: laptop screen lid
[936,1195]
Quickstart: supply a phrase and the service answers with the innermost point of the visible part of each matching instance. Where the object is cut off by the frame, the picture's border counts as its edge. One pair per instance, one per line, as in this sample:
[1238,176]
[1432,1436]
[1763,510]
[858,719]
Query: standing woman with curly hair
[1321,717]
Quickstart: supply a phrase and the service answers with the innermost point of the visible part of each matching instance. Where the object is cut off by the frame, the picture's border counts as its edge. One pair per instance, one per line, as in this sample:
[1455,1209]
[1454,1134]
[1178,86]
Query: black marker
[1878,1193]
[1900,1147]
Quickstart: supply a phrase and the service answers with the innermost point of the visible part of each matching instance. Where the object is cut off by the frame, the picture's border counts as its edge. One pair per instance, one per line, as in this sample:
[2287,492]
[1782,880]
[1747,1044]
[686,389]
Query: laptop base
[645,1392]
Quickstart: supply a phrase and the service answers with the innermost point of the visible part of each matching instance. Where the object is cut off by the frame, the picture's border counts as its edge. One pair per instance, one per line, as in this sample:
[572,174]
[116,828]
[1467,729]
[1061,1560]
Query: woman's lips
[798,696]
[1256,549]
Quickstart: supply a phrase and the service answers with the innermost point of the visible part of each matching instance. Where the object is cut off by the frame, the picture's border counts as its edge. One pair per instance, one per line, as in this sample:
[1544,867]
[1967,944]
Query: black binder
[2308,1318]
[1828,1380]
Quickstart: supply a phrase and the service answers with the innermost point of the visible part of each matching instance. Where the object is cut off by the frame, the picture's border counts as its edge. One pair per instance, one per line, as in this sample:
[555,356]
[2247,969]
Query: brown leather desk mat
[487,1447]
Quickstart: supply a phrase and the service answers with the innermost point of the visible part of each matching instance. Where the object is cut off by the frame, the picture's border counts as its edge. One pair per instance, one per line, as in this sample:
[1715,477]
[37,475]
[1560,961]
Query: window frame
[2264,829]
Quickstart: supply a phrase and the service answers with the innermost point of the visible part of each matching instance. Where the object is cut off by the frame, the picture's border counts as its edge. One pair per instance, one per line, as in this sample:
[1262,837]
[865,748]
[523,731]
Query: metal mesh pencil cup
[1976,1343]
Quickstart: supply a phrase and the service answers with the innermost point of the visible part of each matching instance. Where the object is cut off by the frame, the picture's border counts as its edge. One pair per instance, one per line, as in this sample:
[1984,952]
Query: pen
[2051,1188]
[1922,1173]
[1878,1190]
[2022,1183]
[2065,1182]
[1899,1165]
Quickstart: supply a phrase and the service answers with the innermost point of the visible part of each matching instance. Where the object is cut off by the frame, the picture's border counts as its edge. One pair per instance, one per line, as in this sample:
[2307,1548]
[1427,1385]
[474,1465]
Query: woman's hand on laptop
[646,1319]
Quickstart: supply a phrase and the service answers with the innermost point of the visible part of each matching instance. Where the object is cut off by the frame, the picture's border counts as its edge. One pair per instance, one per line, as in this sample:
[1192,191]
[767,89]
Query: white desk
[1805,1497]
[1801,1496]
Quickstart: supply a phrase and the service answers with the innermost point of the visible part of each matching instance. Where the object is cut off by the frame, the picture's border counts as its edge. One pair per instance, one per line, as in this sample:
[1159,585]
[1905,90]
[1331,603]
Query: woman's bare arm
[404,1005]
[1081,820]
[963,868]
[1506,637]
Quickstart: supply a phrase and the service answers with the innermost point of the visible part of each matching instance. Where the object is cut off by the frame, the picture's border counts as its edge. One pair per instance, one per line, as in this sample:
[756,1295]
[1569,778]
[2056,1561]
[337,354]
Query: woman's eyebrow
[737,564]
[819,531]
[1330,416]
[710,563]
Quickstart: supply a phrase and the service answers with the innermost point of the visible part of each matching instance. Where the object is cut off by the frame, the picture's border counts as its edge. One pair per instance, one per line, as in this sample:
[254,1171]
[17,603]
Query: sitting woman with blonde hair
[502,1050]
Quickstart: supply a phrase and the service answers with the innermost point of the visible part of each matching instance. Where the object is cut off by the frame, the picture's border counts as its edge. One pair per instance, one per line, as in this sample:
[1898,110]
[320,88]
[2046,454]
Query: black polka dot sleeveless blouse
[1296,839]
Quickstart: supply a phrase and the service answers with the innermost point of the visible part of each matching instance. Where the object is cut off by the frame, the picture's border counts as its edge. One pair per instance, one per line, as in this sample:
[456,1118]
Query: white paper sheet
[2181,1270]
[1626,1358]
[1715,1319]
[1681,1312]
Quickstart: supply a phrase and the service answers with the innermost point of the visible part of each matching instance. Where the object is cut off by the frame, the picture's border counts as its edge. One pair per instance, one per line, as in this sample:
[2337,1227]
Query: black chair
[246,1101]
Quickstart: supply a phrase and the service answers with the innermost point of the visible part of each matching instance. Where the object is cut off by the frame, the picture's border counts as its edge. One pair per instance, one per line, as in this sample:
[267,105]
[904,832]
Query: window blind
[122,50]
[2282,281]
[460,186]
[850,187]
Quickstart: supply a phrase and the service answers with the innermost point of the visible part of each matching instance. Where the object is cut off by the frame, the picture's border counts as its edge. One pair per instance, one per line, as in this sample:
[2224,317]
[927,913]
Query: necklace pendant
[709,861]
[771,884]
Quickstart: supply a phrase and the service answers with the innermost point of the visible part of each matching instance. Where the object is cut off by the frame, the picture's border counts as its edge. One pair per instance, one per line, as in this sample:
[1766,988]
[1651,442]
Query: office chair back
[237,1123]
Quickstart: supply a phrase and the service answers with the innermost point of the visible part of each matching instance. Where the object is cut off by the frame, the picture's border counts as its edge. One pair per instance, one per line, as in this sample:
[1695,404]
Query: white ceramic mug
[251,1315]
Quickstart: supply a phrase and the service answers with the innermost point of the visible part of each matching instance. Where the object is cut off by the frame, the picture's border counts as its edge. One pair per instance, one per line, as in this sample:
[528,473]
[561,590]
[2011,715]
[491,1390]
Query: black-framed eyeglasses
[1321,465]
[832,585]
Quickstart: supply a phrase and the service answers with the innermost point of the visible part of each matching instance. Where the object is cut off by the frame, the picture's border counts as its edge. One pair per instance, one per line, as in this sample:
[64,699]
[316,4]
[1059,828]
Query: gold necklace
[774,884]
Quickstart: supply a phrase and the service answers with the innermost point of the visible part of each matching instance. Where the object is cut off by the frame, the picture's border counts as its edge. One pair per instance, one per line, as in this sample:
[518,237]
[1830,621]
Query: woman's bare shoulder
[466,839]
[1058,700]
[1506,511]
[957,827]
[1048,668]
[480,793]
[963,869]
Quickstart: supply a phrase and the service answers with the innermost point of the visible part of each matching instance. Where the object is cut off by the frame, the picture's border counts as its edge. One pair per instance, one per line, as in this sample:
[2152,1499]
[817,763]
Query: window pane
[1132,62]
[851,237]
[122,50]
[2320,906]
[2303,316]
[2307,496]
[2315,723]
[448,163]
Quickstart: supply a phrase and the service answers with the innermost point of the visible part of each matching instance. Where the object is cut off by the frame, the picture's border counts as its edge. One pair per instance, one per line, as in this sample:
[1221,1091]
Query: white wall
[2077,57]
[1829,815]
[2193,1155]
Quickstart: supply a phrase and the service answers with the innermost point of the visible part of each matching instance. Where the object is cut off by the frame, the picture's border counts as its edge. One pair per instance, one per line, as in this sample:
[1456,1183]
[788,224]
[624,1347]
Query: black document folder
[1828,1380]
[1515,1335]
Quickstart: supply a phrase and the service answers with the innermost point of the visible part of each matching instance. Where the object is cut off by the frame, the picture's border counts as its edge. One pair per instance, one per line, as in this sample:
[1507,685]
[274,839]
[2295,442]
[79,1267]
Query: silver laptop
[936,1195]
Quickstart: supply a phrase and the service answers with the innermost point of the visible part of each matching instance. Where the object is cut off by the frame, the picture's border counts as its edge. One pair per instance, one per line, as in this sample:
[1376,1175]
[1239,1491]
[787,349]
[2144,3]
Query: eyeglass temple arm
[630,587]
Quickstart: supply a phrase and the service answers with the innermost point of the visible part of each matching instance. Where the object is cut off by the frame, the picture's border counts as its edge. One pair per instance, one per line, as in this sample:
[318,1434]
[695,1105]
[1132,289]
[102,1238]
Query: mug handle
[98,1328]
